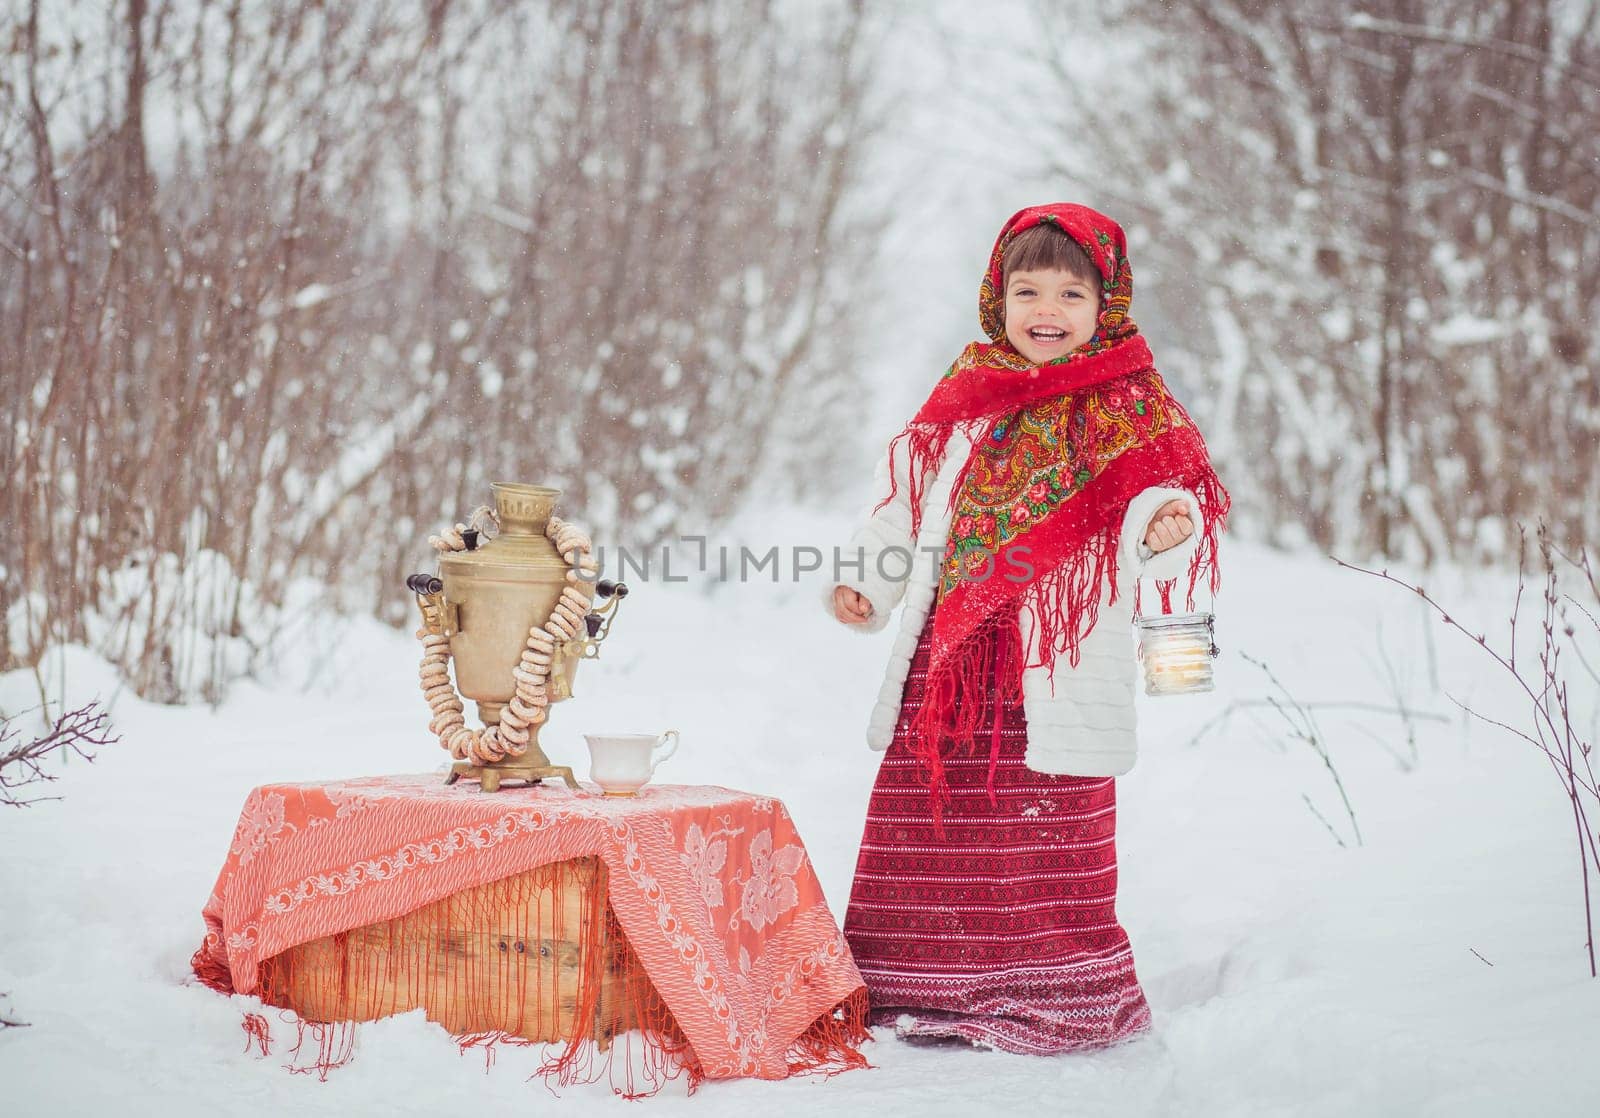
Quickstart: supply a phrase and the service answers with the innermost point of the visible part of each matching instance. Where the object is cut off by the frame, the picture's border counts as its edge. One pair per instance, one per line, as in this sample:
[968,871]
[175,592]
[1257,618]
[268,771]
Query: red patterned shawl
[1060,450]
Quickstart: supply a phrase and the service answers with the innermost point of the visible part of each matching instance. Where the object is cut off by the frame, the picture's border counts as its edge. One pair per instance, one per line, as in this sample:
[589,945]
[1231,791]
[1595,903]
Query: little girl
[1049,470]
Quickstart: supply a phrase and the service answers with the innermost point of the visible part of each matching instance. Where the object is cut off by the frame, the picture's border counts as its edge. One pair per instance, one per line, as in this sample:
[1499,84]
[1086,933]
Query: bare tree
[291,283]
[1373,238]
[656,260]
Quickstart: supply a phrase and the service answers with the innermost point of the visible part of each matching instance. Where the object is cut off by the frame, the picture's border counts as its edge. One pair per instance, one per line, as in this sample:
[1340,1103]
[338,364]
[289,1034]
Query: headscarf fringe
[924,446]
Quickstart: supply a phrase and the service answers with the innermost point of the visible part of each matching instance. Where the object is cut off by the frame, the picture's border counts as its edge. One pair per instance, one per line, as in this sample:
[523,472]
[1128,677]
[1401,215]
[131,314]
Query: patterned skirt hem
[1088,1004]
[1007,1036]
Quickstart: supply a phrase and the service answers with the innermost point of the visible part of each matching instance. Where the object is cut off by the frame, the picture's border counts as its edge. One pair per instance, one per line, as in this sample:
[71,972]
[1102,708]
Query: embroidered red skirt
[1003,931]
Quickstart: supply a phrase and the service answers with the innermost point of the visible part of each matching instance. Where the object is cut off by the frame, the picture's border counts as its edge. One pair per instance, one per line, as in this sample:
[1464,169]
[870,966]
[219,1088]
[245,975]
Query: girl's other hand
[1169,527]
[850,607]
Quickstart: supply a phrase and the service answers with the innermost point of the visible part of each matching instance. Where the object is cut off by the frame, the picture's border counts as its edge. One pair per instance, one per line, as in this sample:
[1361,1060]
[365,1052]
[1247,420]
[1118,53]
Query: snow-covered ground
[1436,970]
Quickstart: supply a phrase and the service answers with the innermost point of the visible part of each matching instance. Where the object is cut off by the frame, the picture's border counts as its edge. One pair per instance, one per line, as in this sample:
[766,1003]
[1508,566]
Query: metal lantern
[1177,650]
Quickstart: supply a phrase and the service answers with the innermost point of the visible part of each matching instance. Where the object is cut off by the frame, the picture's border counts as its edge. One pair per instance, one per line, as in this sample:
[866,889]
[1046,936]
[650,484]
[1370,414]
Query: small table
[691,912]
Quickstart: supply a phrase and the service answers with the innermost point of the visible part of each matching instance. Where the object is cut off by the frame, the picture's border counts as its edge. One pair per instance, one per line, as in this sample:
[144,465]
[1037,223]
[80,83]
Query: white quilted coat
[1080,724]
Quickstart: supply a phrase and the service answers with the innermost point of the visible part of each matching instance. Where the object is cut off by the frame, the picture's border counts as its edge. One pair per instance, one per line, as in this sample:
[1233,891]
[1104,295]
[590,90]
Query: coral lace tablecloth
[712,888]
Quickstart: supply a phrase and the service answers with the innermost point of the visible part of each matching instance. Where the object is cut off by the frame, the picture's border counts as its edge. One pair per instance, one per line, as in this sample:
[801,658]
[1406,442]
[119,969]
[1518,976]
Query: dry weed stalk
[1300,715]
[1303,727]
[1553,723]
[22,762]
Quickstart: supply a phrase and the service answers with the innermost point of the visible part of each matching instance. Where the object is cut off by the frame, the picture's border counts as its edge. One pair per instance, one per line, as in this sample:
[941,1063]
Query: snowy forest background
[287,284]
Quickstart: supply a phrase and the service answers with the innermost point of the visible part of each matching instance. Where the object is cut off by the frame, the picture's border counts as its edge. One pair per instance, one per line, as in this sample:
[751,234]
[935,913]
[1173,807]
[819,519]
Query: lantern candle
[1177,651]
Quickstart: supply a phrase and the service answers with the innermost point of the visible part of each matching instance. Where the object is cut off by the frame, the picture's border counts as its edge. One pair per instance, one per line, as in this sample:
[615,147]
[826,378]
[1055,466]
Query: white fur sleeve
[1134,559]
[880,556]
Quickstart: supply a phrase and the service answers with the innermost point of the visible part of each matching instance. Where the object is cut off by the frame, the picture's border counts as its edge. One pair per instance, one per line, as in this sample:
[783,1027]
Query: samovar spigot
[597,622]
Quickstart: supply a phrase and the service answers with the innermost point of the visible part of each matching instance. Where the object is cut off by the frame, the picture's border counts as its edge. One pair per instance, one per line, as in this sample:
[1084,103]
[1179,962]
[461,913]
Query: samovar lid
[521,552]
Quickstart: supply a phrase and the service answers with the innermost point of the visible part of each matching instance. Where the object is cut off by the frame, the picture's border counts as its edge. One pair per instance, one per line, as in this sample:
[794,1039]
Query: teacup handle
[673,734]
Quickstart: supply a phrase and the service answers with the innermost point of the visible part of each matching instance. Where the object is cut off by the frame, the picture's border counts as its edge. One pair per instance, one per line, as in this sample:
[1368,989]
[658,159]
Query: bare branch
[1361,21]
[79,733]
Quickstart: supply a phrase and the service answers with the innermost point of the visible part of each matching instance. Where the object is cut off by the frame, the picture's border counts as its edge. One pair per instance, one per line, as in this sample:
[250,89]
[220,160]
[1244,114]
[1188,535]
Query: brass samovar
[516,616]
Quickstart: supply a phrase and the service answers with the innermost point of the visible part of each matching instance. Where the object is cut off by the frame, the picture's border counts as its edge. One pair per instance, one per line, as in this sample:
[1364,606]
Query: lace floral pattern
[261,821]
[704,858]
[770,890]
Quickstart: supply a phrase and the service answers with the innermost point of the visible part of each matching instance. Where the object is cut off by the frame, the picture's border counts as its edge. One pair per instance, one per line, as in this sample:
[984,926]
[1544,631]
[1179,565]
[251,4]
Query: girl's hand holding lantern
[850,607]
[1169,527]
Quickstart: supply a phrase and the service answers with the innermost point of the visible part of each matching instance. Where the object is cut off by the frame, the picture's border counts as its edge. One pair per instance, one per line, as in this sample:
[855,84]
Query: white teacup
[621,764]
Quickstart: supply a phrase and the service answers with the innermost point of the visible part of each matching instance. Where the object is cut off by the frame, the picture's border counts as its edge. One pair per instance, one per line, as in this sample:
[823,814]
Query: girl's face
[1049,313]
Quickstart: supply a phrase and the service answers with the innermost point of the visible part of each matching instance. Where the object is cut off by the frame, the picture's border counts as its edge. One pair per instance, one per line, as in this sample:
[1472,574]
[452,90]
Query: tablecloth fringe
[563,958]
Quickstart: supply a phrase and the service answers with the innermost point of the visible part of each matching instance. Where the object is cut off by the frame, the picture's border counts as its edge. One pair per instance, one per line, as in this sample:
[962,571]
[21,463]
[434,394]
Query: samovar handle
[424,583]
[438,616]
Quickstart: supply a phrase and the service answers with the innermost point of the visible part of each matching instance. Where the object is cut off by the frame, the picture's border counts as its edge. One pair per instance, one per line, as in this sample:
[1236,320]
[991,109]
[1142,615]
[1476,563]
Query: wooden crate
[525,955]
